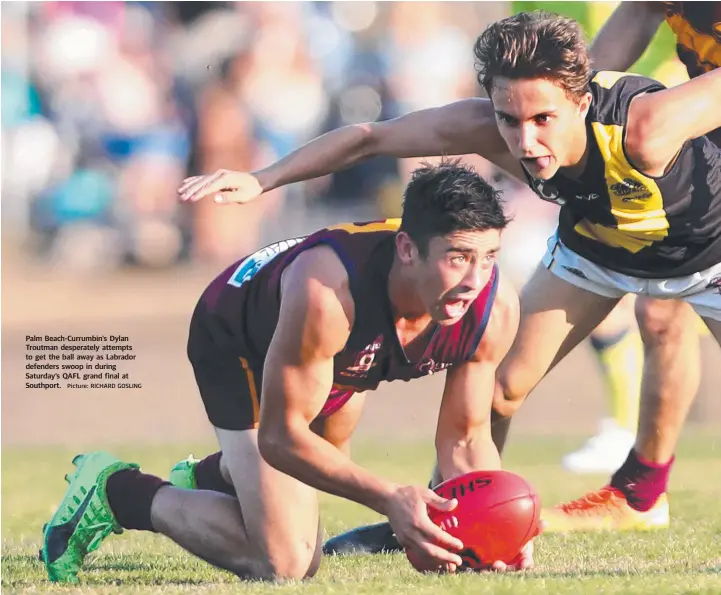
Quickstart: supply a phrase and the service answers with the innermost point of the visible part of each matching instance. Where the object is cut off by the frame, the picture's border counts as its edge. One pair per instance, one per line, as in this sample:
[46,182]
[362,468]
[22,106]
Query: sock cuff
[647,463]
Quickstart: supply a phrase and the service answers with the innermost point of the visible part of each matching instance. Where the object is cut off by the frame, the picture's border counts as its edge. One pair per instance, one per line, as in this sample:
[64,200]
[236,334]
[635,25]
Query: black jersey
[627,221]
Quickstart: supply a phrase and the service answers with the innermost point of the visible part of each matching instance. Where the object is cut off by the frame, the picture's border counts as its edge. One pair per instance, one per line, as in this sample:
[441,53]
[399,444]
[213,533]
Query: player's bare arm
[315,320]
[660,123]
[626,35]
[463,437]
[463,127]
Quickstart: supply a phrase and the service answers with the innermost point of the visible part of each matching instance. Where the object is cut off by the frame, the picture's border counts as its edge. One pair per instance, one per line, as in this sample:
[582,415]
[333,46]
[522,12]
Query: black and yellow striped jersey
[620,218]
[697,26]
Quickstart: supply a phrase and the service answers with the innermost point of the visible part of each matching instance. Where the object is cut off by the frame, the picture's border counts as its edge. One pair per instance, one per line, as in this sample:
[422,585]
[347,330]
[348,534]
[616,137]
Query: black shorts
[229,386]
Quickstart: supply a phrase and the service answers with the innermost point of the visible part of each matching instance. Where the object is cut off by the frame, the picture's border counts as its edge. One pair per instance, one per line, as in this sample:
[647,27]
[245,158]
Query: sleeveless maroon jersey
[243,304]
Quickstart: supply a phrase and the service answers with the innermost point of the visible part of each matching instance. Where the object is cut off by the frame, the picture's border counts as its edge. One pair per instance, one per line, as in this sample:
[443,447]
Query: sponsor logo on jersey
[629,189]
[588,197]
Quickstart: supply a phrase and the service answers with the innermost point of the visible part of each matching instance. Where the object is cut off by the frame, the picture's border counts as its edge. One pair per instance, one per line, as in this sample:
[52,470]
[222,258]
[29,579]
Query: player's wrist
[381,498]
[267,179]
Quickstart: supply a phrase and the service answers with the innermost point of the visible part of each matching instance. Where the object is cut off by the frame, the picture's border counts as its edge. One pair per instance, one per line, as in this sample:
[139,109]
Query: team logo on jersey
[629,189]
[715,283]
[547,191]
[430,366]
[365,360]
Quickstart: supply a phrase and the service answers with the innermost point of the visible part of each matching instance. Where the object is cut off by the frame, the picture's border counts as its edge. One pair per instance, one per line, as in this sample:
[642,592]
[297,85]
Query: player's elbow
[275,446]
[368,140]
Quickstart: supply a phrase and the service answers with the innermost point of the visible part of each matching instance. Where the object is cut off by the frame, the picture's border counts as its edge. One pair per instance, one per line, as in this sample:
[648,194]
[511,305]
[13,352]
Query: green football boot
[182,475]
[83,518]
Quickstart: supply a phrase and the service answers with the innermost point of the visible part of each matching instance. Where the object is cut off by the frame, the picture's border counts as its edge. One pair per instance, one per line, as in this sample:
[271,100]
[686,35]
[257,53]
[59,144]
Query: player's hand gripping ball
[498,513]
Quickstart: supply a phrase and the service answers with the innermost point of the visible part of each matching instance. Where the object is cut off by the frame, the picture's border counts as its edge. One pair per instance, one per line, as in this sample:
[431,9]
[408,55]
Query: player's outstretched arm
[463,435]
[660,123]
[316,316]
[463,127]
[626,35]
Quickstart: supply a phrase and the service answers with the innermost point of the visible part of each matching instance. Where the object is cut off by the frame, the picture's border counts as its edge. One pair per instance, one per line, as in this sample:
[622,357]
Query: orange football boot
[604,510]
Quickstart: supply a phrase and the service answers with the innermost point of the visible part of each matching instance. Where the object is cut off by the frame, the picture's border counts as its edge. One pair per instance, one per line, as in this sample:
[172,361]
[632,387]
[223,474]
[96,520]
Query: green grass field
[684,559]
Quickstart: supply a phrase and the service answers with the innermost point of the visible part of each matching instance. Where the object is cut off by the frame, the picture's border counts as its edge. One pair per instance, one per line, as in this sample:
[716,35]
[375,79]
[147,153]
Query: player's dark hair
[447,197]
[532,45]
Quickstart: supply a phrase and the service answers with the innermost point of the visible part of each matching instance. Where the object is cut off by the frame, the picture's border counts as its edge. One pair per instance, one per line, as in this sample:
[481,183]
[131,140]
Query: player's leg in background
[555,316]
[714,326]
[672,374]
[617,345]
[635,497]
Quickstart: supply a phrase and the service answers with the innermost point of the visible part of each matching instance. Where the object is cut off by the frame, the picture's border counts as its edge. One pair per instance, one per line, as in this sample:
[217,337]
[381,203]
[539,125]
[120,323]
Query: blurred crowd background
[107,106]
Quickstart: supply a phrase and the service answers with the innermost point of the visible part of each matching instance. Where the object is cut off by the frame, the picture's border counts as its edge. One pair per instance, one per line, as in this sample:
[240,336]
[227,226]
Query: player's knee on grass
[661,321]
[293,561]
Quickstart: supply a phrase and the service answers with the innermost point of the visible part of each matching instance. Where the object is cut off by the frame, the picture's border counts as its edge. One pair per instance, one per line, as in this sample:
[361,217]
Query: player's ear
[406,248]
[584,104]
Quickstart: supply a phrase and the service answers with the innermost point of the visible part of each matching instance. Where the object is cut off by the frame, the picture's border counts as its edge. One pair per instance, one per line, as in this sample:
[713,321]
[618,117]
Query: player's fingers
[435,534]
[439,503]
[193,185]
[526,563]
[225,198]
[499,566]
[441,555]
[203,186]
[186,183]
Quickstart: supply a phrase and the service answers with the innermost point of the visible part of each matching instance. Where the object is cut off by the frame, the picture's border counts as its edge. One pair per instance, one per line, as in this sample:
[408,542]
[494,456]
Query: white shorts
[701,290]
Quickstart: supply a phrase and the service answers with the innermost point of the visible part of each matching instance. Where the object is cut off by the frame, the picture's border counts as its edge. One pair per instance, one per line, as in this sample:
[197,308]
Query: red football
[498,512]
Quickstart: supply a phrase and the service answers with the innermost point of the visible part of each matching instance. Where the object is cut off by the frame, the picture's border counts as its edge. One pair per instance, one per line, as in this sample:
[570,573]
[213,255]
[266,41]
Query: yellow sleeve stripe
[385,225]
[608,78]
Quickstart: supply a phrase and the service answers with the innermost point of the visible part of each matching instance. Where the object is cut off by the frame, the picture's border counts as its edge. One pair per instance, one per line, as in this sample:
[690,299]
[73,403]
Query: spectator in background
[110,94]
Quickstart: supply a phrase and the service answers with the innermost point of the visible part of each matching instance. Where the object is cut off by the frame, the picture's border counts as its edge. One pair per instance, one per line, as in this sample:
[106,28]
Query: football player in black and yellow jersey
[628,39]
[640,192]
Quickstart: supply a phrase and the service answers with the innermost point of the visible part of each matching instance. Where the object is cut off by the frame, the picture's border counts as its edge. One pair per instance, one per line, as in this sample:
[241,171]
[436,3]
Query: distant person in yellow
[630,36]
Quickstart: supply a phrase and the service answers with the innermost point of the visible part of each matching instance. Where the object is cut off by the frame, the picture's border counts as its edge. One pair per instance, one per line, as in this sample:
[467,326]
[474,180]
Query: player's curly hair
[450,196]
[534,45]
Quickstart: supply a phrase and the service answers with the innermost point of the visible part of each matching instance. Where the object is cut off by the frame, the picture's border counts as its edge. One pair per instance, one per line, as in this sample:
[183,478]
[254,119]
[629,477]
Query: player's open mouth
[456,308]
[537,162]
